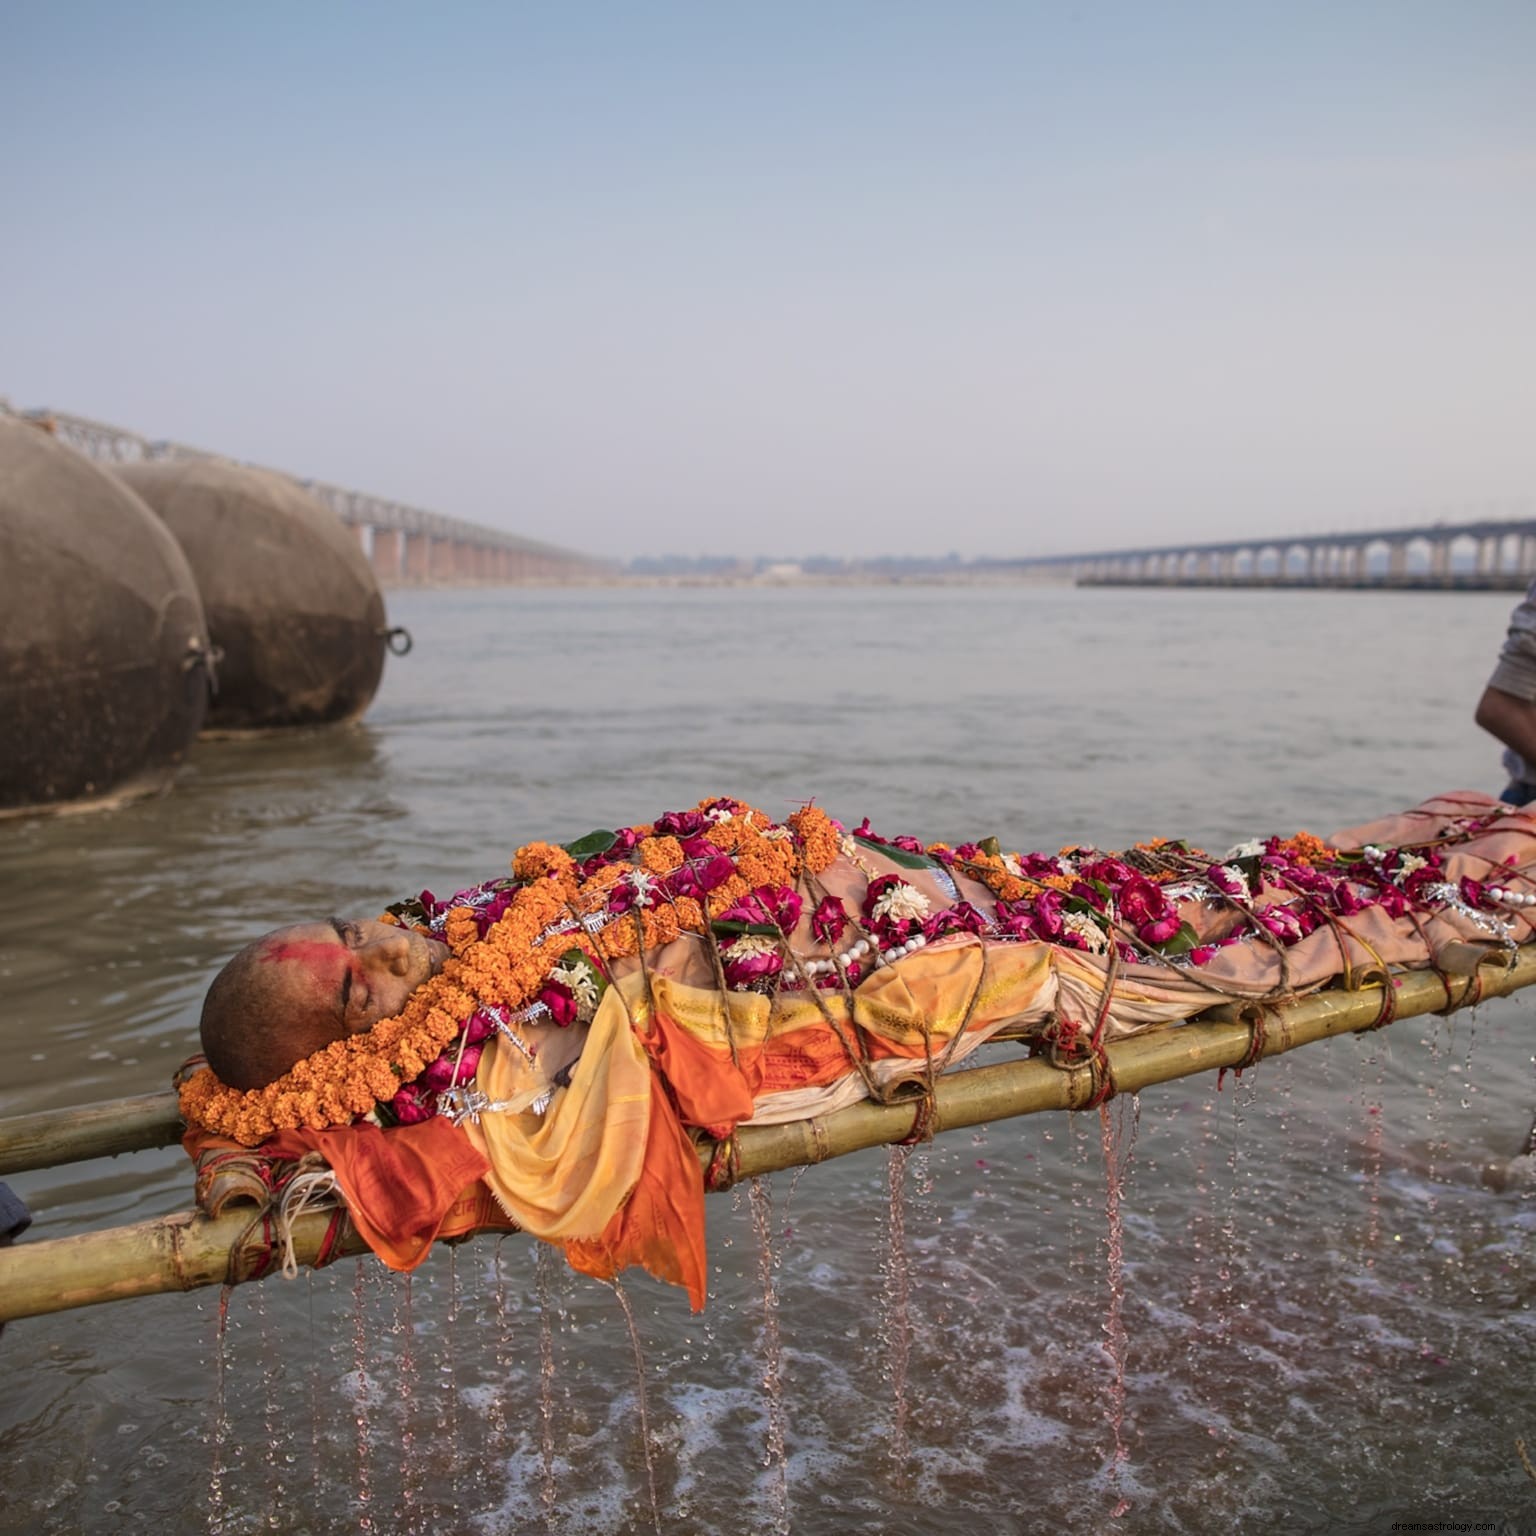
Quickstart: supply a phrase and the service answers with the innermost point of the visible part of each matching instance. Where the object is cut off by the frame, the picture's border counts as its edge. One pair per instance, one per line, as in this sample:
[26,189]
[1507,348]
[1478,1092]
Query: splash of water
[773,1357]
[640,1400]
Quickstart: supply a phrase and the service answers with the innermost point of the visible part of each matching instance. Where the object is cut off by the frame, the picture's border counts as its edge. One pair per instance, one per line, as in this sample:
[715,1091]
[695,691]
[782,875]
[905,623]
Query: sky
[836,279]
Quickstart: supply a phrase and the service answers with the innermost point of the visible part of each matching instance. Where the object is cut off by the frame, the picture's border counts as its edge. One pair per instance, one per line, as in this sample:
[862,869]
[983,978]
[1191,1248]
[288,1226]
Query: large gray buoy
[103,651]
[291,600]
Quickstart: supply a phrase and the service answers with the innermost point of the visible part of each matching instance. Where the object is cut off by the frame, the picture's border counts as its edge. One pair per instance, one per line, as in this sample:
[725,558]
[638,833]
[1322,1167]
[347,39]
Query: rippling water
[1328,1320]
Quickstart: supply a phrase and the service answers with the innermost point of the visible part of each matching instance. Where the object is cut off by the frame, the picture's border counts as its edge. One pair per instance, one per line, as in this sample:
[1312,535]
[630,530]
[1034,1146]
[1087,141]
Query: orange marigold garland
[506,966]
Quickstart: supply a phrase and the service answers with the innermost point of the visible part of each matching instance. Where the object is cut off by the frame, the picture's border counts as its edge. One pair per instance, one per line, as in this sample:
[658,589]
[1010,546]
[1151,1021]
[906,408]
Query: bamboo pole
[185,1251]
[54,1136]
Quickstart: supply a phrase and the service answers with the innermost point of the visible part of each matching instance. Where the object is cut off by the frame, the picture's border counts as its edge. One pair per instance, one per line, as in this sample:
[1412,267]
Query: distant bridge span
[1487,552]
[407,545]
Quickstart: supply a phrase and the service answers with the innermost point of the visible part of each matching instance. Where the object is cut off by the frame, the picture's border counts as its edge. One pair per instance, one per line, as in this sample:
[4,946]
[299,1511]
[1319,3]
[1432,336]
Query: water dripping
[548,1490]
[447,1367]
[277,1454]
[897,1320]
[404,1330]
[364,1485]
[217,1469]
[1372,1100]
[773,1357]
[1114,1320]
[640,1400]
[502,1356]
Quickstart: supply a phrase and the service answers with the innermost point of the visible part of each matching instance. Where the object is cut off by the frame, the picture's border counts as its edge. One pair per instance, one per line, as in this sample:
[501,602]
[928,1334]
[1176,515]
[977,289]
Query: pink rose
[1142,902]
[450,1068]
[560,1001]
[828,920]
[1159,930]
[412,1104]
[1224,880]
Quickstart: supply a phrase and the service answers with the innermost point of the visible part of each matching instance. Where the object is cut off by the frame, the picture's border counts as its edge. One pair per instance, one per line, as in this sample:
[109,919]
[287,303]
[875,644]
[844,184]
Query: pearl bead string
[1504,897]
[856,951]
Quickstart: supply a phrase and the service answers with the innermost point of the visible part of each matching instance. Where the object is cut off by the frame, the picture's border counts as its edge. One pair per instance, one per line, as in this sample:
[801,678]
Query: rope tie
[923,1122]
[1388,1011]
[1104,1085]
[1471,996]
[307,1190]
[1258,1038]
[724,1164]
[330,1245]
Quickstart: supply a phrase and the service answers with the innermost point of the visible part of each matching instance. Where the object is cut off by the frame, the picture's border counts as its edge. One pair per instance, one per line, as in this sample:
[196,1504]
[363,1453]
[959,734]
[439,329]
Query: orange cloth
[399,1184]
[661,1226]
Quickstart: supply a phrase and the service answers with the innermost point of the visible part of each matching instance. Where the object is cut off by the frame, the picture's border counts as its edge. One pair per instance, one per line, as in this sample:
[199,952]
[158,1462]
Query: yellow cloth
[564,1173]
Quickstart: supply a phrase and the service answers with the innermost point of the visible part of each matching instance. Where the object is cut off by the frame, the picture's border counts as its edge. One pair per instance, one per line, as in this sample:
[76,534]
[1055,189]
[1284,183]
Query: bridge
[1488,552]
[406,545]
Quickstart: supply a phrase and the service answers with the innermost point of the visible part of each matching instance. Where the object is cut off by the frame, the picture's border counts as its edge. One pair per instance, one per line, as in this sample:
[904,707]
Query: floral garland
[602,897]
[534,948]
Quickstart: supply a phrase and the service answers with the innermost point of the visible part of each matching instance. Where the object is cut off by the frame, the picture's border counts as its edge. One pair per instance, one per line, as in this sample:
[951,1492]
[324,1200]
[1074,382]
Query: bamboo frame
[185,1251]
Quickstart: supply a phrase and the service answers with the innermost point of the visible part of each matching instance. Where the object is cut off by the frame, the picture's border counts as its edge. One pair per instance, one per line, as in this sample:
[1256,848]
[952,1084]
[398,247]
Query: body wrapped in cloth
[661,986]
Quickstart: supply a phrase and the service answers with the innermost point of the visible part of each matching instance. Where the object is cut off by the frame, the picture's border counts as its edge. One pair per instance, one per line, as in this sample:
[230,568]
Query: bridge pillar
[1397,559]
[442,561]
[418,558]
[386,555]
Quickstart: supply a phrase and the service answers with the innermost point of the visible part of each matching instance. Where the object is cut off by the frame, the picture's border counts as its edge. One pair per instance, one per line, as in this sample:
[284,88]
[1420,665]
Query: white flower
[750,946]
[644,884]
[583,986]
[1013,866]
[900,903]
[1086,929]
[777,833]
[719,813]
[849,848]
[1408,863]
[1249,850]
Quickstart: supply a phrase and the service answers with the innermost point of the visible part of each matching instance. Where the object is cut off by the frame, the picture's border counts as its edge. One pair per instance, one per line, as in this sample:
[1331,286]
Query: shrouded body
[103,649]
[290,598]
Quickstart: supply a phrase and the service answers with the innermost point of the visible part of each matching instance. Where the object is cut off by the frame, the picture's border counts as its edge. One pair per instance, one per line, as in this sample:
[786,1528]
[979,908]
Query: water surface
[1328,1321]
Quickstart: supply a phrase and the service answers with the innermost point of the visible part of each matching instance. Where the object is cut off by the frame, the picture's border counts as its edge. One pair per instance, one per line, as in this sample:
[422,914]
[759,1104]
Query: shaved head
[296,989]
[263,1013]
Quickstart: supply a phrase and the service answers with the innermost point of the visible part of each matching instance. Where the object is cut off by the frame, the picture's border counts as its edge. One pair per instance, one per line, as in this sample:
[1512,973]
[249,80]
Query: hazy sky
[794,278]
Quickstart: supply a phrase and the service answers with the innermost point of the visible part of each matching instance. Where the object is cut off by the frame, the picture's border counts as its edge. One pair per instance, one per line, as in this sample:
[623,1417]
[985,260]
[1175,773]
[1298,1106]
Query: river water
[1291,1307]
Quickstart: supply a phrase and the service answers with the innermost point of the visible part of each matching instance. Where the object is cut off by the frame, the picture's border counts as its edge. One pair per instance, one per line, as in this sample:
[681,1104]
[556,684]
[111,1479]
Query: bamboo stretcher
[187,1250]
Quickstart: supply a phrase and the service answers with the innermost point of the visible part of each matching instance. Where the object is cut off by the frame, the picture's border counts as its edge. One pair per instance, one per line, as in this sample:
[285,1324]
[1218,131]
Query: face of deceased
[352,972]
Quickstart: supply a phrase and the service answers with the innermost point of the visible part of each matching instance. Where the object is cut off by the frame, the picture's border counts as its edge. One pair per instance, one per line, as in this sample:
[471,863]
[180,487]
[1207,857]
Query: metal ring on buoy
[398,640]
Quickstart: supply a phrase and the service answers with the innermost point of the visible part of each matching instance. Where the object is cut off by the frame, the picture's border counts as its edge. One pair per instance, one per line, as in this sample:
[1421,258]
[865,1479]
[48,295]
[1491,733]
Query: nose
[394,952]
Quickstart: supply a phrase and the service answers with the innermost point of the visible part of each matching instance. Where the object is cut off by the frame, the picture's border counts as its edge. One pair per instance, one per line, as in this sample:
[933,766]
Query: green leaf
[591,845]
[897,855]
[1181,943]
[990,845]
[766,930]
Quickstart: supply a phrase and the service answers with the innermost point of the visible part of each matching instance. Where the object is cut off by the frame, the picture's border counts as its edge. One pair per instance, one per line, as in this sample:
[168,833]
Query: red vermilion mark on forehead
[321,964]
